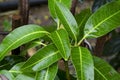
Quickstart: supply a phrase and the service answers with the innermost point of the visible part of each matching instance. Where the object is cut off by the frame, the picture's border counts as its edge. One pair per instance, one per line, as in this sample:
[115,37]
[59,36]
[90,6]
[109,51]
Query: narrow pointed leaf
[61,40]
[67,19]
[42,59]
[47,74]
[103,71]
[20,36]
[51,5]
[83,63]
[104,20]
[81,19]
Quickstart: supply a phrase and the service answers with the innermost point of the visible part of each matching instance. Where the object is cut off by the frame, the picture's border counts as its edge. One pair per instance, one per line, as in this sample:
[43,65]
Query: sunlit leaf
[15,70]
[25,76]
[83,63]
[67,19]
[42,59]
[103,71]
[47,74]
[20,36]
[51,4]
[104,20]
[61,40]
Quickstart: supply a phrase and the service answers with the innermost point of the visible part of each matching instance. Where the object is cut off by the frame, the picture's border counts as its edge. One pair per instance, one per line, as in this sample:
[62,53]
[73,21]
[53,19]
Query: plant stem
[67,70]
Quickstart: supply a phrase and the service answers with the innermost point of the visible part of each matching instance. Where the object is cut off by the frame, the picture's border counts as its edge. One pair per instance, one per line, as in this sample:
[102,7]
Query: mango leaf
[81,19]
[20,36]
[83,63]
[68,20]
[99,24]
[15,70]
[6,75]
[47,74]
[51,5]
[10,61]
[103,71]
[61,40]
[25,76]
[42,59]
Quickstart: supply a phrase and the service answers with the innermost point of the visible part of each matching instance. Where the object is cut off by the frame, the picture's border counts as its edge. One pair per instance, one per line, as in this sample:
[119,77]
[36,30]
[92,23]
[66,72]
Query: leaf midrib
[98,25]
[6,50]
[100,73]
[68,24]
[61,45]
[40,60]
[81,63]
[46,73]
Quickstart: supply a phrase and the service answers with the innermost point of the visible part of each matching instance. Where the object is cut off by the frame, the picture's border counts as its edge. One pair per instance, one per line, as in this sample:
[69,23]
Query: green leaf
[61,40]
[104,20]
[81,19]
[20,36]
[7,25]
[6,74]
[83,63]
[10,61]
[51,5]
[25,76]
[16,68]
[47,74]
[68,20]
[103,71]
[42,59]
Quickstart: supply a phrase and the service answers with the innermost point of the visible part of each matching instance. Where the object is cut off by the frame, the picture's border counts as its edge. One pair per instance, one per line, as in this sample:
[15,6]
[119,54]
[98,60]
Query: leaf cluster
[64,43]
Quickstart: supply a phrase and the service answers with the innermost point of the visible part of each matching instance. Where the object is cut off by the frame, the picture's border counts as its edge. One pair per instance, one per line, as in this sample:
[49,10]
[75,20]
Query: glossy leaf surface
[67,19]
[20,36]
[51,4]
[83,63]
[99,24]
[61,39]
[4,75]
[16,68]
[103,71]
[42,59]
[81,19]
[25,77]
[47,74]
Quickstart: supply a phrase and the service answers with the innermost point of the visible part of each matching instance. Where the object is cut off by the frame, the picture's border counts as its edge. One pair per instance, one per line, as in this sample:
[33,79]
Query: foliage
[64,43]
[7,25]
